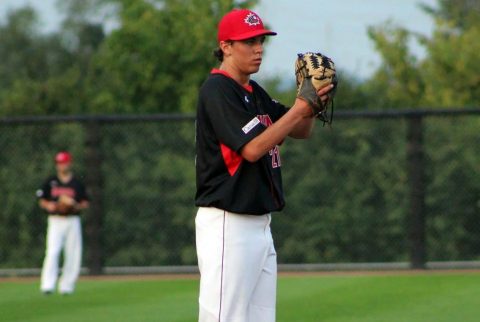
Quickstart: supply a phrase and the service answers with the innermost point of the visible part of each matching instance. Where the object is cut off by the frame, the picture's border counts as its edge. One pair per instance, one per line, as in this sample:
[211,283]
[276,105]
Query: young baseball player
[238,137]
[62,196]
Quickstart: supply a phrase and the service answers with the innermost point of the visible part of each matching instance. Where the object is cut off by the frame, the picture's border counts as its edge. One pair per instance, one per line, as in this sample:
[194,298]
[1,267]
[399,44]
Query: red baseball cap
[240,24]
[63,157]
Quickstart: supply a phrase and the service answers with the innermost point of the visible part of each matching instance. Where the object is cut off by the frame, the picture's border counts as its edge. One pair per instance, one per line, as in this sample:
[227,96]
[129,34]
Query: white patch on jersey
[250,125]
[246,99]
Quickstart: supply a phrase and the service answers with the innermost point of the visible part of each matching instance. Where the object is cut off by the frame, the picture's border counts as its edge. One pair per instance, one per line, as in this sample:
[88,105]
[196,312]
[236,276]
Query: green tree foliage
[452,72]
[453,202]
[447,76]
[153,61]
[462,14]
[28,62]
[158,57]
[150,190]
[397,83]
[452,69]
[44,74]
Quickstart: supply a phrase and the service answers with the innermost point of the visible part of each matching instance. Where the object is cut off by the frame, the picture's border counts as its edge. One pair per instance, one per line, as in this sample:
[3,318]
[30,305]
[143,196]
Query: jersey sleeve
[233,123]
[44,192]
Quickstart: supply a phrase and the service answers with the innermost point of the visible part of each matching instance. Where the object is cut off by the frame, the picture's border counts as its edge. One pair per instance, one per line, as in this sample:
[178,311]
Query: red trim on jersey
[249,88]
[219,71]
[58,191]
[231,158]
[223,264]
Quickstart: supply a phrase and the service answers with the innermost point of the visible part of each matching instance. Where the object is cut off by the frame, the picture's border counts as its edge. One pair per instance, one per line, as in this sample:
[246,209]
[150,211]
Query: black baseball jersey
[228,117]
[53,188]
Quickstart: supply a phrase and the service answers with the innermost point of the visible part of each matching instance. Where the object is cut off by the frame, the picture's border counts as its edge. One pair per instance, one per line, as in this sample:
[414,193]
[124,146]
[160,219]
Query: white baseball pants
[63,232]
[238,267]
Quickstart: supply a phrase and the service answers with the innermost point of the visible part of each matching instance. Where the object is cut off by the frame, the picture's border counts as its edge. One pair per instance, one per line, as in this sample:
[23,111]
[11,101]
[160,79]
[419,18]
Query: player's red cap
[63,157]
[240,24]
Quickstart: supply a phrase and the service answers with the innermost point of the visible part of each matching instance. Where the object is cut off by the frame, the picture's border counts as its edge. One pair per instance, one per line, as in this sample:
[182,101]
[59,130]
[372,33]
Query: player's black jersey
[228,117]
[53,188]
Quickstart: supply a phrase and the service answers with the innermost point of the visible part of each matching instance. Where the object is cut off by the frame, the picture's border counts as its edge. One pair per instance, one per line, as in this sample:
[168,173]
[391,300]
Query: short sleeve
[44,192]
[233,123]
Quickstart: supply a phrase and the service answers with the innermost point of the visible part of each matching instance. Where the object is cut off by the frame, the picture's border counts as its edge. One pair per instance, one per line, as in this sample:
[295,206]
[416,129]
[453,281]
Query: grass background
[392,297]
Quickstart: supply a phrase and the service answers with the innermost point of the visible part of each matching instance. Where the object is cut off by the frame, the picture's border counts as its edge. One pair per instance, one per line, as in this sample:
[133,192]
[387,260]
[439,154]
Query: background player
[63,196]
[239,130]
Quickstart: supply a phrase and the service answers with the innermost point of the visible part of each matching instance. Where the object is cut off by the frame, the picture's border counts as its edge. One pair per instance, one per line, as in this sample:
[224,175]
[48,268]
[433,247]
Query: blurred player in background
[63,197]
[238,134]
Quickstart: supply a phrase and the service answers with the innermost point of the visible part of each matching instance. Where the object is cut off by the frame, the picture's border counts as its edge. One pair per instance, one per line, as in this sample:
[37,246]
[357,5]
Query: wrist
[303,107]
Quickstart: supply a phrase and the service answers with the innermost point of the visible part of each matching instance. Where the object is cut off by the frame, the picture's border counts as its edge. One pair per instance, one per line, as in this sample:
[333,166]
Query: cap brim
[256,33]
[63,161]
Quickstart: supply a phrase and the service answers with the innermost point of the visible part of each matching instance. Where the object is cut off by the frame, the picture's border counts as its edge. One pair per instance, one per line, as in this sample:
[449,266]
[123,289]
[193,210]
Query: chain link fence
[377,187]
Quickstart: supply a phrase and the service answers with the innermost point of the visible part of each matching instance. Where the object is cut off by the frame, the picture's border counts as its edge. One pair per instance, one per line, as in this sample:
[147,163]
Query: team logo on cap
[252,19]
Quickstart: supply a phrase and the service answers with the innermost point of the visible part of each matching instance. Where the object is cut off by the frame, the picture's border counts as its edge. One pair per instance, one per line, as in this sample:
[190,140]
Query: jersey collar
[248,87]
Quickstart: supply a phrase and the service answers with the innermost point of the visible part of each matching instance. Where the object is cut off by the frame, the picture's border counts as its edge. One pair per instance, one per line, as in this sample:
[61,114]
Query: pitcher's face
[245,55]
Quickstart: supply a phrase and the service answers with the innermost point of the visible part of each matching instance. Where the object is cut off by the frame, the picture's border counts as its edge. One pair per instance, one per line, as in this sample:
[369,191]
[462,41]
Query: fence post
[416,183]
[94,183]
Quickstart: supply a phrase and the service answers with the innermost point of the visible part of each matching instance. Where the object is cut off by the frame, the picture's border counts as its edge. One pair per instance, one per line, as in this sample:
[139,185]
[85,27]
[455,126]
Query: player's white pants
[238,267]
[63,232]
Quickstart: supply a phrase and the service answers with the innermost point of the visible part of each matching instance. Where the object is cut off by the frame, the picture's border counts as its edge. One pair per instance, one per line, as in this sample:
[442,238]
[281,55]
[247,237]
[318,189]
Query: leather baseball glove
[314,71]
[65,205]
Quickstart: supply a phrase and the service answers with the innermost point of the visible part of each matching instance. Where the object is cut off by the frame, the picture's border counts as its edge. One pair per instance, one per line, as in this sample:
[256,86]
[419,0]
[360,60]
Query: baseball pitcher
[239,131]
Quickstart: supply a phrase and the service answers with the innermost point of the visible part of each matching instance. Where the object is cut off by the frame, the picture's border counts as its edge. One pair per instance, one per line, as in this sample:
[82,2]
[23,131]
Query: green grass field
[423,297]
